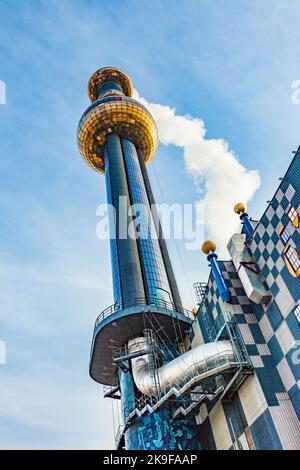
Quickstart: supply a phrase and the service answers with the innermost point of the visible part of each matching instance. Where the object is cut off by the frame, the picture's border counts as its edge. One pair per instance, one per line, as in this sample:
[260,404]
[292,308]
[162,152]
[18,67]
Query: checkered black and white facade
[264,413]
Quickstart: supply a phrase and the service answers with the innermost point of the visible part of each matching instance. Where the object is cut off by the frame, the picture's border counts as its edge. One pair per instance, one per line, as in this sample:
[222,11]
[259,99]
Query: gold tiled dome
[107,74]
[123,116]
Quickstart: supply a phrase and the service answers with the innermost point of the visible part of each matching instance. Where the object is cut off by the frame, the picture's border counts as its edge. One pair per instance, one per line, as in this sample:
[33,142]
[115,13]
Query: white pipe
[203,361]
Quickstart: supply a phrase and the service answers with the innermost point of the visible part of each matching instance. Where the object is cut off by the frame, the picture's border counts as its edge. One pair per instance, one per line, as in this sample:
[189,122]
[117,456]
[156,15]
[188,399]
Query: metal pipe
[203,361]
[209,249]
[240,209]
[247,224]
[219,278]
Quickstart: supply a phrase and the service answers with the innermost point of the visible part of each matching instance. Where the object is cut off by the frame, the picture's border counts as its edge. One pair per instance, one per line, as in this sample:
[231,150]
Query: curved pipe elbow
[201,362]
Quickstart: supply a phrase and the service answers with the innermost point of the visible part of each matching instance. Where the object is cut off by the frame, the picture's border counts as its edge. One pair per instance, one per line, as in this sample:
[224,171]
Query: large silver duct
[203,361]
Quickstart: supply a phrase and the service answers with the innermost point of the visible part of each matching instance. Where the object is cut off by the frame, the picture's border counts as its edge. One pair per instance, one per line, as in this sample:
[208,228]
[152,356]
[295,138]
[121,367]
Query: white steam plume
[209,161]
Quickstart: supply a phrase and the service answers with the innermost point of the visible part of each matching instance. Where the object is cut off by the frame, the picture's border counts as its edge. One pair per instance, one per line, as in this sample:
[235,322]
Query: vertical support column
[127,393]
[155,276]
[161,240]
[131,280]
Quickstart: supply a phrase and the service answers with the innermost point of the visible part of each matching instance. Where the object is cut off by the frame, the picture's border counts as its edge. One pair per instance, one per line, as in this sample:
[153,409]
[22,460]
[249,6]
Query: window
[293,258]
[297,313]
[284,234]
[293,216]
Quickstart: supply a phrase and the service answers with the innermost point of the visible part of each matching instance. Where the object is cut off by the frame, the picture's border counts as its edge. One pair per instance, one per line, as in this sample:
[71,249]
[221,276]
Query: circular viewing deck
[119,323]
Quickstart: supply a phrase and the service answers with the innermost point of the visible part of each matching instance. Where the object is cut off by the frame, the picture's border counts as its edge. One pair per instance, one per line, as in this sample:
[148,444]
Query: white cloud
[211,164]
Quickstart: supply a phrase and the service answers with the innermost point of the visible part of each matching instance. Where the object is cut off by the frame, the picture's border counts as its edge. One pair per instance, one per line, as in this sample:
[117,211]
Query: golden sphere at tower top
[123,116]
[114,112]
[109,74]
[240,208]
[208,246]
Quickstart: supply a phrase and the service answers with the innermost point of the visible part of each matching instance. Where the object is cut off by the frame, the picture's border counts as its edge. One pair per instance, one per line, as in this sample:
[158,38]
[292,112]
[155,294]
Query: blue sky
[230,63]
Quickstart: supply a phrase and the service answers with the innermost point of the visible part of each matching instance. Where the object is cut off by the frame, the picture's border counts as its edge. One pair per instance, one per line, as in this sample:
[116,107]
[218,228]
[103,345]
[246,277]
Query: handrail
[116,307]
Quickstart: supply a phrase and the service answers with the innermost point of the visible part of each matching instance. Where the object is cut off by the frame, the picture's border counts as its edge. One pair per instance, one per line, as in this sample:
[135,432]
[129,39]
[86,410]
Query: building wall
[268,402]
[278,322]
[261,400]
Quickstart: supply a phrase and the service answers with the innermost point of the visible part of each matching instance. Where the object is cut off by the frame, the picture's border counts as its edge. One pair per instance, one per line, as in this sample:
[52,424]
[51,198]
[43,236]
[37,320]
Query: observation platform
[119,323]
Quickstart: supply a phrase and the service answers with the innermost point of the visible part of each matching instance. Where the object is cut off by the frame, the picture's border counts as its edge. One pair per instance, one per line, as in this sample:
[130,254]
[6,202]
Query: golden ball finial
[208,246]
[240,208]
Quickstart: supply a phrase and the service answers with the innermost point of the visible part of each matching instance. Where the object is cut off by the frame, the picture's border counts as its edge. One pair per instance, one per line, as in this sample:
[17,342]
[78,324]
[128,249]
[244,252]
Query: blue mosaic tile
[257,238]
[270,380]
[294,394]
[265,238]
[285,202]
[293,324]
[275,349]
[275,255]
[275,220]
[275,273]
[264,433]
[274,289]
[252,350]
[293,360]
[274,315]
[158,431]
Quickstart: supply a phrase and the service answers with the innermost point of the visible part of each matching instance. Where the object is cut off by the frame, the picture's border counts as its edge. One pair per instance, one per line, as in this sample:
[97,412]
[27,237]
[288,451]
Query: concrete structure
[216,379]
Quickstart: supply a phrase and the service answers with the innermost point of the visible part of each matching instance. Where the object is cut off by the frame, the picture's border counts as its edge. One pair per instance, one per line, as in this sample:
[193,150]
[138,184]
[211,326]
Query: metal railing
[142,301]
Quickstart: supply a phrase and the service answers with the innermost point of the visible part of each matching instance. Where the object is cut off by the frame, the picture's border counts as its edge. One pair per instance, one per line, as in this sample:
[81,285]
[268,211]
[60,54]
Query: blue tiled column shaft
[155,276]
[127,275]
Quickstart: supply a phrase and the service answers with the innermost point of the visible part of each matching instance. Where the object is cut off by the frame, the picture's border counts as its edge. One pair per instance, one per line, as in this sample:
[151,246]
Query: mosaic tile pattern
[158,431]
[279,323]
